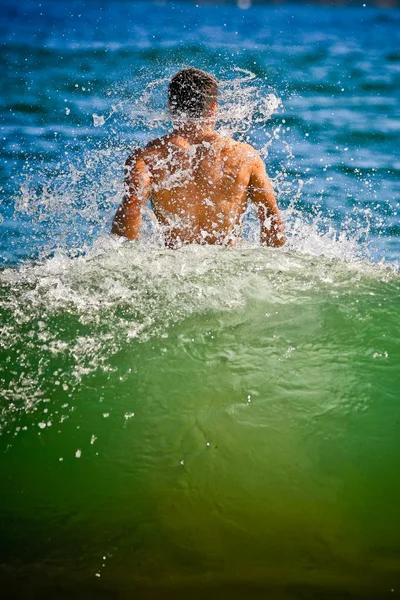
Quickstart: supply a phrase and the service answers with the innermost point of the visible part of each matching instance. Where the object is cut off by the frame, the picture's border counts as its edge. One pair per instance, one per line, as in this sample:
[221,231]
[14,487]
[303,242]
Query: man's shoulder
[152,146]
[157,144]
[133,157]
[249,151]
[246,150]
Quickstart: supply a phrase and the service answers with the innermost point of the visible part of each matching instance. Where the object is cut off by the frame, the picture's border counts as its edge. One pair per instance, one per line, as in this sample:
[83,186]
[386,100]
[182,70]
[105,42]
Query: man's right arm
[262,195]
[128,218]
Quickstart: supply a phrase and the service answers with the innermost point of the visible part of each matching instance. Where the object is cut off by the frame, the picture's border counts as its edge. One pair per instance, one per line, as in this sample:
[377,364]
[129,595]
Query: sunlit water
[207,421]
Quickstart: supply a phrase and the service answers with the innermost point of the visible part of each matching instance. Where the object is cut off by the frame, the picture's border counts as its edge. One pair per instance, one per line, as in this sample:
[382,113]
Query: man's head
[192,94]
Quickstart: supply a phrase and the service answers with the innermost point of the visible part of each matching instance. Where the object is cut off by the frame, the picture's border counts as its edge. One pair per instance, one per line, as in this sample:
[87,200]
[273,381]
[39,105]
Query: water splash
[85,281]
[71,202]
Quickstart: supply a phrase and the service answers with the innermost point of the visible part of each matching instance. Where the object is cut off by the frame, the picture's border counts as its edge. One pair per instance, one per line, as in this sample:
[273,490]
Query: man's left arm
[263,196]
[128,218]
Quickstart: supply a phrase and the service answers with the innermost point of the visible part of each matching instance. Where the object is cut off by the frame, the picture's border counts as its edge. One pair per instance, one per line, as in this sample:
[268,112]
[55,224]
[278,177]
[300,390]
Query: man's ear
[213,109]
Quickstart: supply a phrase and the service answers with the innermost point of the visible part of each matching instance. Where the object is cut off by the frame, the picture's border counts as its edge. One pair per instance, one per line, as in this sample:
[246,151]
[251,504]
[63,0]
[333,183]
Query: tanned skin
[199,184]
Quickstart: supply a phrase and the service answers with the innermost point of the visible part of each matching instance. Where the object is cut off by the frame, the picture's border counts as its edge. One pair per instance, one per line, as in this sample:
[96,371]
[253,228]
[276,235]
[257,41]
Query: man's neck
[195,132]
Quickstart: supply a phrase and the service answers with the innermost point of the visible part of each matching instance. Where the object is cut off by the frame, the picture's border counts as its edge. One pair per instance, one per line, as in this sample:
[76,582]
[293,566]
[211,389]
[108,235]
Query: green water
[201,422]
[204,423]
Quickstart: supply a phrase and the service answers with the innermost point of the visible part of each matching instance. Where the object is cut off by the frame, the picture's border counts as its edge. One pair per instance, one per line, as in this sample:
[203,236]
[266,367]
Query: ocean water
[207,421]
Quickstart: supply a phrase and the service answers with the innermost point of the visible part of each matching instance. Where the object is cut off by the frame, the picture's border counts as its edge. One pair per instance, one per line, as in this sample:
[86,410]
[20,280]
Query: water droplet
[98,120]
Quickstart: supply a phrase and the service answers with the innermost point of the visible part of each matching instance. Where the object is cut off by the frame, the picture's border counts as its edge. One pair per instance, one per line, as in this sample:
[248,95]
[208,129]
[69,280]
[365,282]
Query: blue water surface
[335,157]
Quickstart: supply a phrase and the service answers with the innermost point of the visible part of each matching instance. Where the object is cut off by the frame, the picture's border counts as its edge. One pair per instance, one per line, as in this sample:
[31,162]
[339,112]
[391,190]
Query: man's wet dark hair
[191,93]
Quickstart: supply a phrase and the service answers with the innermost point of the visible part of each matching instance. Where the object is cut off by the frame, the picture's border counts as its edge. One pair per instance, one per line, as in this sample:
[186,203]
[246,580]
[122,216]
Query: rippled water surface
[207,421]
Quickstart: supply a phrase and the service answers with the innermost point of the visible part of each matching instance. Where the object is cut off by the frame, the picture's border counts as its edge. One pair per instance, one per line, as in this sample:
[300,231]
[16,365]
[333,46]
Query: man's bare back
[199,184]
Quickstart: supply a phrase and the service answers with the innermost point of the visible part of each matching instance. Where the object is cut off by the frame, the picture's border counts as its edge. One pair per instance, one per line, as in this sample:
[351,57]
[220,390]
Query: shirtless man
[199,182]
